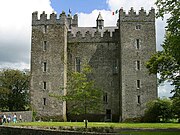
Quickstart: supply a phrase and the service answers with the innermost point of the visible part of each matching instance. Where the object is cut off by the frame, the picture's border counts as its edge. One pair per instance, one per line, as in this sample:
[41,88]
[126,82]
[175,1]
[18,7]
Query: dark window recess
[44,101]
[108,113]
[139,99]
[44,85]
[78,64]
[138,65]
[138,27]
[105,98]
[115,66]
[45,45]
[45,28]
[44,66]
[138,84]
[137,44]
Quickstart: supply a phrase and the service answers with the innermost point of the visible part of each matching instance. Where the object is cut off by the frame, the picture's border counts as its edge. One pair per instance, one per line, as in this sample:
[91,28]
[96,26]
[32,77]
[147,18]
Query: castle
[117,55]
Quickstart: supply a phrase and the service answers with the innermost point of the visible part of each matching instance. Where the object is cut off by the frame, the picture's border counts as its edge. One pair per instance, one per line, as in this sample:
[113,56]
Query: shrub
[158,110]
[134,120]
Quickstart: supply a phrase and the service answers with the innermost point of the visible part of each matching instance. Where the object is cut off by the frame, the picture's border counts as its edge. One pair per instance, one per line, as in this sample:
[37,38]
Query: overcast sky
[15,24]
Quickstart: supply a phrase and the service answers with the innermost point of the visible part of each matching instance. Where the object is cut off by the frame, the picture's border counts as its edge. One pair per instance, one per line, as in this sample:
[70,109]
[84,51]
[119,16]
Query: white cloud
[109,19]
[136,4]
[19,65]
[164,90]
[87,20]
[15,30]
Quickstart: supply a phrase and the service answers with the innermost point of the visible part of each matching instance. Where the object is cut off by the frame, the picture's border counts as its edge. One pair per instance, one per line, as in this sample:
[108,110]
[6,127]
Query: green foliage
[149,132]
[176,107]
[82,95]
[14,87]
[134,120]
[160,109]
[167,61]
[4,98]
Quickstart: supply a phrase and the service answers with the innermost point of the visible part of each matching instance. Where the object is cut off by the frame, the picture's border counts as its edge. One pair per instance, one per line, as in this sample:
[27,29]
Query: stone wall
[48,67]
[26,115]
[102,55]
[138,43]
[29,131]
[112,52]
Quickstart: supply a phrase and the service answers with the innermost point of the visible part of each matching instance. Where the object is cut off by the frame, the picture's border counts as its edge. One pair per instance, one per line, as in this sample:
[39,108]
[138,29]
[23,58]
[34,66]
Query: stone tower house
[117,55]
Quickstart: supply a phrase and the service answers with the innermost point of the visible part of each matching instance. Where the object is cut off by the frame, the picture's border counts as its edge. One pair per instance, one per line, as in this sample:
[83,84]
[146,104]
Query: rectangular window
[115,66]
[45,45]
[139,99]
[44,85]
[44,66]
[138,27]
[45,28]
[105,98]
[138,84]
[78,64]
[137,44]
[138,65]
[44,101]
[108,114]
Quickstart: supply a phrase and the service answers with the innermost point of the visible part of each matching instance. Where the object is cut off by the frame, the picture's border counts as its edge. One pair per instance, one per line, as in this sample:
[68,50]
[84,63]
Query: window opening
[44,101]
[44,66]
[45,45]
[139,99]
[138,65]
[105,98]
[138,84]
[137,44]
[44,85]
[78,64]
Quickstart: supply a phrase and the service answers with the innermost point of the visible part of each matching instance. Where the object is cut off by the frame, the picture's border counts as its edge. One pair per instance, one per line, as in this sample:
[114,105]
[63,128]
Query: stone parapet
[141,16]
[97,36]
[63,19]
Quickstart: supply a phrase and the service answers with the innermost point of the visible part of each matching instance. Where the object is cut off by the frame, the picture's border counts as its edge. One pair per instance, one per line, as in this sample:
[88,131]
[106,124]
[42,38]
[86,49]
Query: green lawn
[97,124]
[150,133]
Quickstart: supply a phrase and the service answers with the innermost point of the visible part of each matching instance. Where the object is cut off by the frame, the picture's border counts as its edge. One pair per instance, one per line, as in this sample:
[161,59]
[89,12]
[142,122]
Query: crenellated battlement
[93,36]
[53,19]
[142,15]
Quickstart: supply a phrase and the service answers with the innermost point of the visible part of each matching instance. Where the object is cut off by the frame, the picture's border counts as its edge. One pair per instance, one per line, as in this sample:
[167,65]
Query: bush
[133,120]
[158,110]
[176,108]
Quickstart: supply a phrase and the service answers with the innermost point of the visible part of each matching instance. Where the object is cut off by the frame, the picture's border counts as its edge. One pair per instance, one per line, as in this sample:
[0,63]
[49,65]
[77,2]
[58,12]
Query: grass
[150,133]
[126,126]
[97,124]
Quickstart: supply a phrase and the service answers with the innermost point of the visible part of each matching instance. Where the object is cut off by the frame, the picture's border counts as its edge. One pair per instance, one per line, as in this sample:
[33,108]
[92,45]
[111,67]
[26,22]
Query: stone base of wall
[79,118]
[30,131]
[58,118]
[26,115]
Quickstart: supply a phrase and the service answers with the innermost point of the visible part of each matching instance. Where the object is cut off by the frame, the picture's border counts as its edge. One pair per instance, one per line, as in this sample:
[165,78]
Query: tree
[160,109]
[82,95]
[176,107]
[167,61]
[14,87]
[4,98]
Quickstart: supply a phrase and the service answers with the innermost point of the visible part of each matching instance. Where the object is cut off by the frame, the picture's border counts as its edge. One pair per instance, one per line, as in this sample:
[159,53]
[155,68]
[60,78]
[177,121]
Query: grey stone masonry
[26,116]
[138,43]
[116,54]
